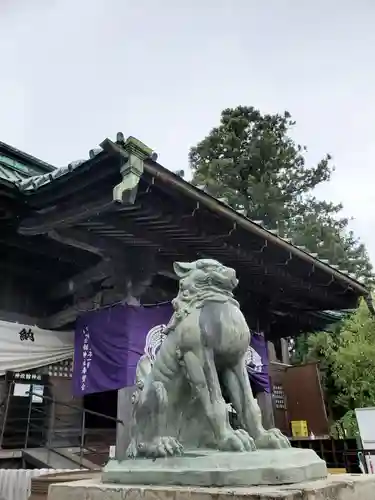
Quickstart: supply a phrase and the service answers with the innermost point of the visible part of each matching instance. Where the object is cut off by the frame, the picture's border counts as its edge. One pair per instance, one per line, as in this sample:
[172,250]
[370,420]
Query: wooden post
[124,408]
[265,398]
[284,351]
[124,413]
[266,407]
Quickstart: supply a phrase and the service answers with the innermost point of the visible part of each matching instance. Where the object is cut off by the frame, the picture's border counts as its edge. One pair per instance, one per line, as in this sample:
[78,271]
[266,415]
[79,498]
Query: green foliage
[299,349]
[345,427]
[354,361]
[251,162]
[317,225]
[347,363]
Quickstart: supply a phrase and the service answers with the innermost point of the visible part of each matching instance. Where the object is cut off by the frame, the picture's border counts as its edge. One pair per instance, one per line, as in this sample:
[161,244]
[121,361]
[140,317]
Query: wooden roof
[122,198]
[15,165]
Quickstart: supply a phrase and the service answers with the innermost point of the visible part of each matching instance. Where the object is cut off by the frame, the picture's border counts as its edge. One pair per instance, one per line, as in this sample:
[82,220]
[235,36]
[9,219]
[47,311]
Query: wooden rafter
[70,286]
[213,249]
[65,215]
[42,246]
[70,314]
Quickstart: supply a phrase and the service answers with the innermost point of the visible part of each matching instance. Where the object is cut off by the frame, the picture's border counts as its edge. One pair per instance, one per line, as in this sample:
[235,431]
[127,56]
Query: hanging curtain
[109,343]
[24,347]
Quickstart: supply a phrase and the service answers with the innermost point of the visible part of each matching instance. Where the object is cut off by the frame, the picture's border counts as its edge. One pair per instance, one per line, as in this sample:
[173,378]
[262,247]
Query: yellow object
[336,471]
[299,428]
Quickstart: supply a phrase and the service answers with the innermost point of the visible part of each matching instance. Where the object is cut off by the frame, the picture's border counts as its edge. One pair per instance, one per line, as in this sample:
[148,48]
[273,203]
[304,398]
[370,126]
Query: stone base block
[217,468]
[337,487]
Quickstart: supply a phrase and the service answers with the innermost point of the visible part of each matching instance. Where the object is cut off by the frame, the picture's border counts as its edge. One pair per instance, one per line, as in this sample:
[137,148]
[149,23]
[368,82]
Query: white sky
[76,71]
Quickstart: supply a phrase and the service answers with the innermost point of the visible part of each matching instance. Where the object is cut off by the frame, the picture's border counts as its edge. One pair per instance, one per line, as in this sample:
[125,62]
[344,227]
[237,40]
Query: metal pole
[10,392]
[51,433]
[28,420]
[83,425]
[51,430]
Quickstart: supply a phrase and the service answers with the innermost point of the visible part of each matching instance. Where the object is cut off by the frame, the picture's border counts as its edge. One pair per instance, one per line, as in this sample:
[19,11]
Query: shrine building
[106,230]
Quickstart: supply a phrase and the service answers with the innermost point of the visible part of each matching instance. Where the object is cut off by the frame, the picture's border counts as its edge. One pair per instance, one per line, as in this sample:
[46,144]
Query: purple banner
[109,343]
[257,363]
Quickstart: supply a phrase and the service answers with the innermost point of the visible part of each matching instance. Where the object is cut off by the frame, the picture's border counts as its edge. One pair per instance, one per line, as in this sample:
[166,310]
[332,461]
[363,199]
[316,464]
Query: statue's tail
[144,367]
[161,395]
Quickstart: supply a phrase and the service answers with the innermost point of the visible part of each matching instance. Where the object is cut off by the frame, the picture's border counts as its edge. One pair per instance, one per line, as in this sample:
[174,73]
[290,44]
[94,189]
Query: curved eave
[103,171]
[10,191]
[174,181]
[8,186]
[63,183]
[11,151]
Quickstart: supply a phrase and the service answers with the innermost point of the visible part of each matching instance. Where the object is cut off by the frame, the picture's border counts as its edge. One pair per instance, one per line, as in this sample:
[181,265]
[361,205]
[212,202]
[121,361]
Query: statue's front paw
[132,451]
[236,440]
[271,439]
[161,447]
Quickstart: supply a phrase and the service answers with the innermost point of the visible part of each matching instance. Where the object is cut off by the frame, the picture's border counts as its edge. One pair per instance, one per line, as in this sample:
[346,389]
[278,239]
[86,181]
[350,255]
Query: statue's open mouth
[226,280]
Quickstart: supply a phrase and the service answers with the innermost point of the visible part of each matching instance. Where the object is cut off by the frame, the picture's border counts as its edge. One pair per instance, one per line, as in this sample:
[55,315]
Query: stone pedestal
[217,468]
[338,487]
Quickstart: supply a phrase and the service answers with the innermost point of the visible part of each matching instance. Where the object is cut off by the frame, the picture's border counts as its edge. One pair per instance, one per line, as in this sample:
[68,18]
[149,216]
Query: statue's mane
[191,297]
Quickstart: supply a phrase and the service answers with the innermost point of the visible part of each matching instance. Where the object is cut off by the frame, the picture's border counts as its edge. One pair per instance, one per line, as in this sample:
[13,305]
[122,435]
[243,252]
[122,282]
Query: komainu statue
[178,404]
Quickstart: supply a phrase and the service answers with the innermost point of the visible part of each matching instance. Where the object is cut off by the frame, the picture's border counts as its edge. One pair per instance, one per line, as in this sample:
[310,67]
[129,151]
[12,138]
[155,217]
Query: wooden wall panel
[277,375]
[305,397]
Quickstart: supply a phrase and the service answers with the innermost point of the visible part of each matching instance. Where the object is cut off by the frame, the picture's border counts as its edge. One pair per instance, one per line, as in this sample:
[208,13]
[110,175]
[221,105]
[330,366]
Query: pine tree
[251,162]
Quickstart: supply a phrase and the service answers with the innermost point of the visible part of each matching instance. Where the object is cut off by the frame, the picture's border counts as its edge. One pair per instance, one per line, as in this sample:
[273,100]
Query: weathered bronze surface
[179,402]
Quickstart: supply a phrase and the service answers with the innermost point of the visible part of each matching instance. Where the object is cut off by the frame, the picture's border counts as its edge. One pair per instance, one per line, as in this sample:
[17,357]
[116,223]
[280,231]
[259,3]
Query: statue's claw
[247,441]
[272,439]
[132,450]
[237,440]
[161,447]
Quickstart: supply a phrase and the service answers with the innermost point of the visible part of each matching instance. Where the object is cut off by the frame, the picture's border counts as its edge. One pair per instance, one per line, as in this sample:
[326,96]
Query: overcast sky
[76,71]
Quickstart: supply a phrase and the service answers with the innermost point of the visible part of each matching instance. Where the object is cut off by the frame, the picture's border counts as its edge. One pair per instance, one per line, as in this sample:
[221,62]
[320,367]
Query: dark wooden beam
[66,214]
[67,239]
[293,317]
[274,278]
[44,247]
[30,273]
[68,287]
[289,293]
[114,265]
[89,241]
[204,229]
[99,272]
[70,314]
[280,276]
[159,237]
[23,319]
[111,247]
[63,318]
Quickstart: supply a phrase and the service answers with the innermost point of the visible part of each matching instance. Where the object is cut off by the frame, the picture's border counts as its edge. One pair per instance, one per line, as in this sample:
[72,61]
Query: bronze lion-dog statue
[178,404]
